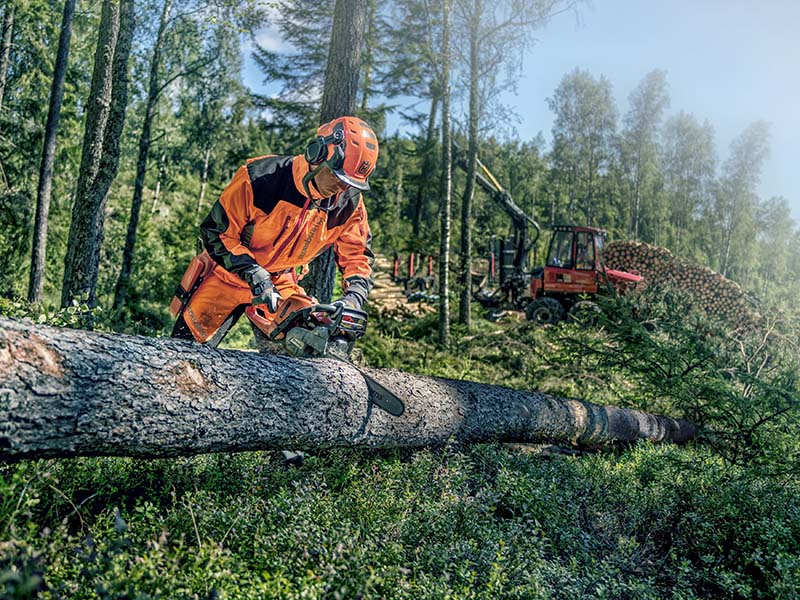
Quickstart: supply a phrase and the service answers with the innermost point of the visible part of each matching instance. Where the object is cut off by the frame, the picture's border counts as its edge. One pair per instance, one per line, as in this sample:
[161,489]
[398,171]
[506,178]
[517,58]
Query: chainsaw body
[310,330]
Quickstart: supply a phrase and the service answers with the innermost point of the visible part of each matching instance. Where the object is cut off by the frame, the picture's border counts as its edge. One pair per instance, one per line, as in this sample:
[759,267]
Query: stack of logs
[712,292]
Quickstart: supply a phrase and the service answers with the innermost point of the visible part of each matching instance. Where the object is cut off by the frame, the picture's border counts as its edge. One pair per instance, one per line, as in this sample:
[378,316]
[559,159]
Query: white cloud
[270,39]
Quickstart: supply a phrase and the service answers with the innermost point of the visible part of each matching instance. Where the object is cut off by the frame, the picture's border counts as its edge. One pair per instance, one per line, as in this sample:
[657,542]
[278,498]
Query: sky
[731,62]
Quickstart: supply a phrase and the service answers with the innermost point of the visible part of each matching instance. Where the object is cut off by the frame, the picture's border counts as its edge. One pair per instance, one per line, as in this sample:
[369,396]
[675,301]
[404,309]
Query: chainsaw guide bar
[311,330]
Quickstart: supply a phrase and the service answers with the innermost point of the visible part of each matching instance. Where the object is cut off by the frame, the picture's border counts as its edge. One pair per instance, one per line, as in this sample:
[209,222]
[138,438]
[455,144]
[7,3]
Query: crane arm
[488,183]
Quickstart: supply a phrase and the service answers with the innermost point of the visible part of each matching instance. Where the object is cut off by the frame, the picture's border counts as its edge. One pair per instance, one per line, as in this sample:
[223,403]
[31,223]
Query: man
[277,214]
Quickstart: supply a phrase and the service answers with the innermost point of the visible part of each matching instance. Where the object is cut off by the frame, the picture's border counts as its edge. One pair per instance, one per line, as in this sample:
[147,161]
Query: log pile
[387,298]
[713,293]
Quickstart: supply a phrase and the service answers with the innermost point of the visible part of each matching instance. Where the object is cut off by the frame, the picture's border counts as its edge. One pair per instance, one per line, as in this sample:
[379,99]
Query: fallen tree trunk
[67,392]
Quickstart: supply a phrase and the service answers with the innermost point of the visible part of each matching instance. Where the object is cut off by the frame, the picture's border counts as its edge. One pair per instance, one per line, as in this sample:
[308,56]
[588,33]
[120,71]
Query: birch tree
[639,151]
[583,134]
[494,36]
[737,200]
[688,161]
[446,187]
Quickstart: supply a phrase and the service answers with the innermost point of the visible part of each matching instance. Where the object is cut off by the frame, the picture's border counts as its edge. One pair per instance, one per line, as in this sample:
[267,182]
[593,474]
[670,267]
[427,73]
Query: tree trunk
[446,186]
[100,157]
[153,93]
[5,51]
[67,392]
[427,167]
[203,182]
[339,98]
[157,191]
[472,166]
[36,282]
[370,41]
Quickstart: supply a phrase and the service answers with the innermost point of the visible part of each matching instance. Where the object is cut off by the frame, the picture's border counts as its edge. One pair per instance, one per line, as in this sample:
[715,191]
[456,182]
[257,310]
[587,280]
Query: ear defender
[317,150]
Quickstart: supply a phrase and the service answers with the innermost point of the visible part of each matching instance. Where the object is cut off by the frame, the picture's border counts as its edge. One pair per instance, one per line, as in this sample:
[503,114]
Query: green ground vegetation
[719,518]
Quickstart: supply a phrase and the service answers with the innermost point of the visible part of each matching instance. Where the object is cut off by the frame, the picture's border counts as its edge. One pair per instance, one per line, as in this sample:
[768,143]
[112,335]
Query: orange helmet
[349,147]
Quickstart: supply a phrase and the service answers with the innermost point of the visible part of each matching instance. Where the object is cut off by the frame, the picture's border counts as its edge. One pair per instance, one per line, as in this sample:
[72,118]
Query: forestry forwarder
[573,272]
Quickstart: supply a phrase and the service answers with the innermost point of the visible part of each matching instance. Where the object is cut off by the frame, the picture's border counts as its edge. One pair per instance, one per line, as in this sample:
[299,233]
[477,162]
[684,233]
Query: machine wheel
[544,311]
[584,313]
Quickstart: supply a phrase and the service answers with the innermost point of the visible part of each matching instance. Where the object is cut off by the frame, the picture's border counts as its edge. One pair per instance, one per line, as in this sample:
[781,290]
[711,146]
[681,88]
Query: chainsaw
[310,330]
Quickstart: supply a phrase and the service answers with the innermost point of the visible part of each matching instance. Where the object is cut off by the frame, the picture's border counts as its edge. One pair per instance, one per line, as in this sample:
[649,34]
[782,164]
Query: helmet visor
[359,184]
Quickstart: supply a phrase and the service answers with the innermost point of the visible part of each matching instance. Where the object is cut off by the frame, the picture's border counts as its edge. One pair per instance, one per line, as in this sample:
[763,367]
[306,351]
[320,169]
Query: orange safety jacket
[264,218]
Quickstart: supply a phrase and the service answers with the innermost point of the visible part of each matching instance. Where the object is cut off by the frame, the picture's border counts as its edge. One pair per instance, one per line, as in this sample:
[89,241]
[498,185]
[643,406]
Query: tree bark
[428,162]
[203,183]
[67,392]
[5,51]
[100,156]
[153,93]
[339,98]
[36,282]
[369,43]
[446,185]
[157,191]
[472,166]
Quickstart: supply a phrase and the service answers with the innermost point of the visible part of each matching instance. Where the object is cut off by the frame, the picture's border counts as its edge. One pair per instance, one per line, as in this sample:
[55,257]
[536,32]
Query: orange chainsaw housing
[267,322]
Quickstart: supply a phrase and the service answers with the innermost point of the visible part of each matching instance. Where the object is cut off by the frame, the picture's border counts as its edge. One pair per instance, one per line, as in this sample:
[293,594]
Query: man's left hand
[350,300]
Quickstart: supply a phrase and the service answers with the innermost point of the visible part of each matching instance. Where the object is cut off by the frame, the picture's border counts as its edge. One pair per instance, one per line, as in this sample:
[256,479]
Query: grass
[486,521]
[481,522]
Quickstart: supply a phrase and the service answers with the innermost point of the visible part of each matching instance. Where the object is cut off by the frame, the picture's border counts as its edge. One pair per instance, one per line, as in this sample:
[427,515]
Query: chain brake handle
[337,313]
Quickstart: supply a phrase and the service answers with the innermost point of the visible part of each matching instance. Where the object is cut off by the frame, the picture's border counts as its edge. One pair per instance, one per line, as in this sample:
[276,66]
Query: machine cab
[572,262]
[575,248]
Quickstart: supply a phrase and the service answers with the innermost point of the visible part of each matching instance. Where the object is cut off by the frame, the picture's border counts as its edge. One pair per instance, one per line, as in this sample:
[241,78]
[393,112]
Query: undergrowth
[486,521]
[480,522]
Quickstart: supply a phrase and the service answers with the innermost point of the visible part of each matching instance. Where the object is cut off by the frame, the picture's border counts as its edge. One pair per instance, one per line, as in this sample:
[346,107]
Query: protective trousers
[218,303]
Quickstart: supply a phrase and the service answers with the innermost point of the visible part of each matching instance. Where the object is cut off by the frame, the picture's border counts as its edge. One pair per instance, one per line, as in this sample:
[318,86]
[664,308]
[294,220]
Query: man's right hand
[263,290]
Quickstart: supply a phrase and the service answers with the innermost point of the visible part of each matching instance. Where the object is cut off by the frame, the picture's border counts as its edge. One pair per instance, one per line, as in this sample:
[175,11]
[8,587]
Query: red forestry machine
[573,272]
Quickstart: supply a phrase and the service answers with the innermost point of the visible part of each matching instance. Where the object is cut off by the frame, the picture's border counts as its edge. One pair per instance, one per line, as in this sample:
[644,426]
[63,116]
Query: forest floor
[488,521]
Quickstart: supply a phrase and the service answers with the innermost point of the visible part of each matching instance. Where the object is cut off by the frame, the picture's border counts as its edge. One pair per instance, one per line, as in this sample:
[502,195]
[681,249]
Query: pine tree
[45,188]
[339,98]
[100,158]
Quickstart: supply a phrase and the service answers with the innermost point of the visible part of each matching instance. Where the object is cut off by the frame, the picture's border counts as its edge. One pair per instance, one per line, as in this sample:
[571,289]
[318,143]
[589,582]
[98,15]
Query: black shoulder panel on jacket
[271,179]
[344,208]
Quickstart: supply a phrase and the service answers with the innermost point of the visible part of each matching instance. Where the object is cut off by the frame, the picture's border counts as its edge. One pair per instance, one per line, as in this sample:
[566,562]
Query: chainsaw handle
[326,308]
[334,310]
[253,314]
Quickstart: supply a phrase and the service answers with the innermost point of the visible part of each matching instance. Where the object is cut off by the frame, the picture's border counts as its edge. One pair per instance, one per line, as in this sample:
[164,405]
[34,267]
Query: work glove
[350,300]
[262,288]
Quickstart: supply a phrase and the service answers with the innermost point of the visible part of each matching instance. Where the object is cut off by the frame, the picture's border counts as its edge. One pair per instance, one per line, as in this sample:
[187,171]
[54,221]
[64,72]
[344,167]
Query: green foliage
[16,222]
[75,316]
[484,522]
[740,384]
